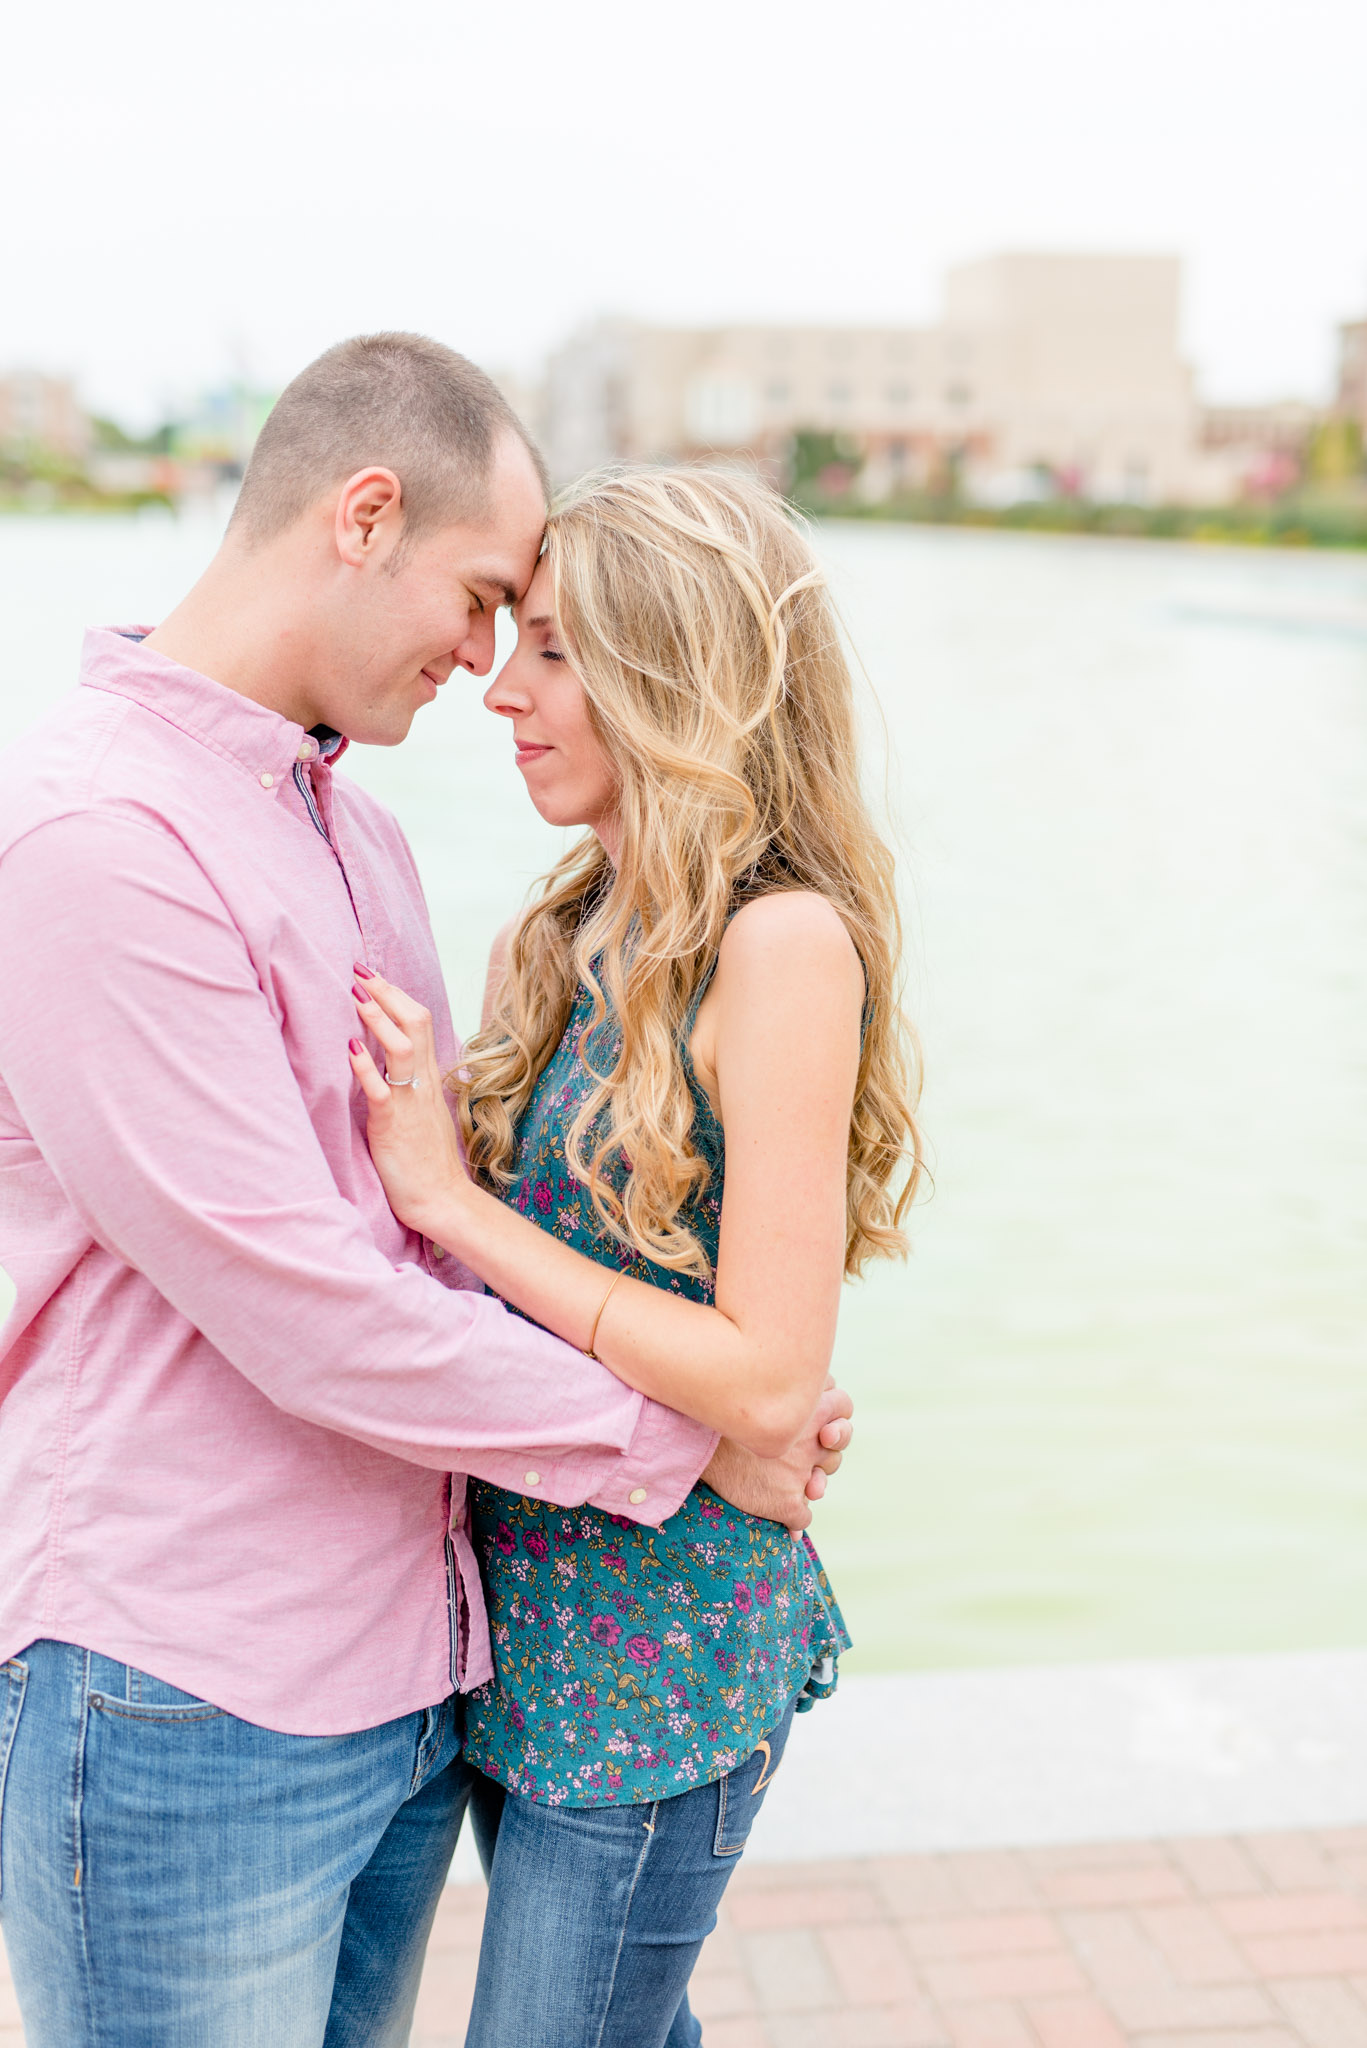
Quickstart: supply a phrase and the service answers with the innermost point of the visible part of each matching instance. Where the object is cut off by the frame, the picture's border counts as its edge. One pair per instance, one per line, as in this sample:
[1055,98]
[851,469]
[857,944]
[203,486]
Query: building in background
[1068,375]
[1253,451]
[1049,378]
[40,413]
[1351,399]
[1049,375]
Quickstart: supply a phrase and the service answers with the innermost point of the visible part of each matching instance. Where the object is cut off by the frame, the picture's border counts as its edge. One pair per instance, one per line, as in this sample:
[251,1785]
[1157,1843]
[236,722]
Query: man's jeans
[172,1877]
[597,1913]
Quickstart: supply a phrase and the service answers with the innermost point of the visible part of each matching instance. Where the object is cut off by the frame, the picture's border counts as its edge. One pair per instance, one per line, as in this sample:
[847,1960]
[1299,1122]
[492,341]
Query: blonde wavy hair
[697,619]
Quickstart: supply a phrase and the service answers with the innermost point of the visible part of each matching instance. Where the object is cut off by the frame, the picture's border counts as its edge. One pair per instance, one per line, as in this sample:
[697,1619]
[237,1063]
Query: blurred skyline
[204,192]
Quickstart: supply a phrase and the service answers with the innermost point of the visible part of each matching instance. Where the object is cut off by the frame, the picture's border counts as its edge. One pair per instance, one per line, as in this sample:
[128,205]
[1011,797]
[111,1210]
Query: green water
[1117,1402]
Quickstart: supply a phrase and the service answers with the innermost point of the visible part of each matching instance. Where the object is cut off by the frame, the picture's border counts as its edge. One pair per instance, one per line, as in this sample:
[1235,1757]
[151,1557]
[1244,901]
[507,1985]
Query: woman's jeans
[596,1914]
[172,1877]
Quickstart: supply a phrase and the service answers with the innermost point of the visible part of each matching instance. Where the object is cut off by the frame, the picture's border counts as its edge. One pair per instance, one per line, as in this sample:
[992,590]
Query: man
[235,1587]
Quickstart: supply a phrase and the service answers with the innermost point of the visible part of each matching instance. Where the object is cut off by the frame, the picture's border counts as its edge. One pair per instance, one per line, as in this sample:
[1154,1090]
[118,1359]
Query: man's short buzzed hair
[390,401]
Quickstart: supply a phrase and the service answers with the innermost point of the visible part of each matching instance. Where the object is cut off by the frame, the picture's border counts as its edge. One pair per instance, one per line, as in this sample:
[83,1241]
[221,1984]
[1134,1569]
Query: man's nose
[476,650]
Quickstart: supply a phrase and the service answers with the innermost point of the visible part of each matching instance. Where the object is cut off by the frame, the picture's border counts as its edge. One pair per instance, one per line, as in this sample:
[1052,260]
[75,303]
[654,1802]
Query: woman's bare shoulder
[788,930]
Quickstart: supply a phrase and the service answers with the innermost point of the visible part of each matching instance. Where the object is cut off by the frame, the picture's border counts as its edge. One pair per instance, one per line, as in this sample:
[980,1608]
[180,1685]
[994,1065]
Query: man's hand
[782,1489]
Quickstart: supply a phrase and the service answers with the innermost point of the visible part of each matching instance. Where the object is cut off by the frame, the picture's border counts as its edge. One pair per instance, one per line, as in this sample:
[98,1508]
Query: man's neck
[244,626]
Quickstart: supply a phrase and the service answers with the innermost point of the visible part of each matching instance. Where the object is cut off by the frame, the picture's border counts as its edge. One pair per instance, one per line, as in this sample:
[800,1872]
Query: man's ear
[369,516]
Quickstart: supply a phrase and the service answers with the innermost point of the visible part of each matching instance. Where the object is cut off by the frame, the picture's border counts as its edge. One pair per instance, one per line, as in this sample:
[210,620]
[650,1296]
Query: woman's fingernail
[359,994]
[353,1045]
[366,973]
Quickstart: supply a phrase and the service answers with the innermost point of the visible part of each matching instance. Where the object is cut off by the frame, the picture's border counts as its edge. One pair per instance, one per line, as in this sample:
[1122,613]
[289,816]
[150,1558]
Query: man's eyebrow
[506,594]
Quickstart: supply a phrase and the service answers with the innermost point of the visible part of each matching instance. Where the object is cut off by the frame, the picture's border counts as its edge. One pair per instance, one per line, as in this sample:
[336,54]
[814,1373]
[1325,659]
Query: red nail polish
[366,973]
[353,1045]
[359,994]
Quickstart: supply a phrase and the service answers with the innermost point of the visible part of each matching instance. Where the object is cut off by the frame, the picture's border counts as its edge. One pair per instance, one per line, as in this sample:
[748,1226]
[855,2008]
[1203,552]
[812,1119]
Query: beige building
[1047,373]
[1351,401]
[38,412]
[1253,451]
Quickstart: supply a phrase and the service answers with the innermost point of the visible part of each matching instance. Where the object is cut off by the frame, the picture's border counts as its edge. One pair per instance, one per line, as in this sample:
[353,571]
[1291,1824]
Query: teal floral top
[633,1663]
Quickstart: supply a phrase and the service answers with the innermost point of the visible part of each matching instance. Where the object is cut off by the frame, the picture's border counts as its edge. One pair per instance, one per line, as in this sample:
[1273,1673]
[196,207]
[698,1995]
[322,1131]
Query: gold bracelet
[593,1333]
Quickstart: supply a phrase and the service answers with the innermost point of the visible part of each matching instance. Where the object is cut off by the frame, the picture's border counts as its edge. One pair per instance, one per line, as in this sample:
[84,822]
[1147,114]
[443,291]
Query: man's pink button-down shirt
[233,1387]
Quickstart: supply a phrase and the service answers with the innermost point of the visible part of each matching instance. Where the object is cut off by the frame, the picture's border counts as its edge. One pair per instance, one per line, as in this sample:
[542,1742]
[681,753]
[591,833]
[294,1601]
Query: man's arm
[144,1056]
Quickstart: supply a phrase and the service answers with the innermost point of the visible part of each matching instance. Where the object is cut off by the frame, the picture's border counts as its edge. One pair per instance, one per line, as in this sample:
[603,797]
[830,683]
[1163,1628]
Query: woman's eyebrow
[544,619]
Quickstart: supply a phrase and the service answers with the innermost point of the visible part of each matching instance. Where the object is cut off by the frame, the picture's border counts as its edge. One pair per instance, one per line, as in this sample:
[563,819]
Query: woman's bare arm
[777,1045]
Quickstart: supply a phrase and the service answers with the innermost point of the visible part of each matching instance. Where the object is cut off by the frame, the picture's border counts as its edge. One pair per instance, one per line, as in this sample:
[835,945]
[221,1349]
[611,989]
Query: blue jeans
[596,1913]
[172,1877]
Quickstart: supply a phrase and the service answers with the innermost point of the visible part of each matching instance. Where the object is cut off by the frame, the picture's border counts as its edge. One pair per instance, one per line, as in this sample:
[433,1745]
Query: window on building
[958,394]
[839,394]
[899,394]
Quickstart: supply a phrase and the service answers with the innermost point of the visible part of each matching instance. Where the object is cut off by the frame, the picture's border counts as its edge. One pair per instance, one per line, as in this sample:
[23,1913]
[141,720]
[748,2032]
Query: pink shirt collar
[237,728]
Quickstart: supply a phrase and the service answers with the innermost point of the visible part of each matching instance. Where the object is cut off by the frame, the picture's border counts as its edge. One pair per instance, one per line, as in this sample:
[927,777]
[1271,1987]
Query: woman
[687,1116]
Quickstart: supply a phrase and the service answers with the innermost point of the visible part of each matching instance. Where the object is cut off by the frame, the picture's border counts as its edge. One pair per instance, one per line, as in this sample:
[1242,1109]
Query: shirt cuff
[450,1270]
[664,1461]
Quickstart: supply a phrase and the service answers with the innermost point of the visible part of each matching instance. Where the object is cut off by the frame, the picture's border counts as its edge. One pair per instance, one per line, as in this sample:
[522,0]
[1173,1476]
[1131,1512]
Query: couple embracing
[391,1430]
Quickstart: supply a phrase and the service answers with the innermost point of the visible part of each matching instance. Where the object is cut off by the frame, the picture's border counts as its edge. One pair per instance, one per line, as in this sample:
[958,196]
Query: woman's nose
[504,697]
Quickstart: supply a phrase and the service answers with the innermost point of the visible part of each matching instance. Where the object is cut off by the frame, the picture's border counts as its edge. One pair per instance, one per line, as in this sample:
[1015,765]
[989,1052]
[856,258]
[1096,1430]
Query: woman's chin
[566,815]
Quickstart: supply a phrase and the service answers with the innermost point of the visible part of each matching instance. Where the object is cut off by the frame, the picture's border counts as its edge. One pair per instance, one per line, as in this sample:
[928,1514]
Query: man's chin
[390,731]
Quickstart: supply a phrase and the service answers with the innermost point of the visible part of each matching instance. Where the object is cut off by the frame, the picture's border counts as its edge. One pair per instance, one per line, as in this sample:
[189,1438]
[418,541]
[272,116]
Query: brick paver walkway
[1216,1942]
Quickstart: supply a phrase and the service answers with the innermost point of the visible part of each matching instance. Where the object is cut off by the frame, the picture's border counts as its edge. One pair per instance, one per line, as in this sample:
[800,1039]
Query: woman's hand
[411,1134]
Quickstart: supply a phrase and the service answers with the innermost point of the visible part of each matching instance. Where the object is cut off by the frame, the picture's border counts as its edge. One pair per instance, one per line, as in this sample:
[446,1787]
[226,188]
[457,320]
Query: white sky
[193,187]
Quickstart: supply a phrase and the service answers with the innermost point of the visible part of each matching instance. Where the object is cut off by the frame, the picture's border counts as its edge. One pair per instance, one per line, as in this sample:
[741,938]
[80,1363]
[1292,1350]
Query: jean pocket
[146,1698]
[14,1678]
[740,1794]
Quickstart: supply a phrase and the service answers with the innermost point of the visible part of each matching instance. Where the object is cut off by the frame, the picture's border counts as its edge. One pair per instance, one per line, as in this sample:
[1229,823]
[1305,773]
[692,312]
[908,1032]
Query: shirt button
[268,782]
[531,1479]
[439,1251]
[636,1496]
[308,750]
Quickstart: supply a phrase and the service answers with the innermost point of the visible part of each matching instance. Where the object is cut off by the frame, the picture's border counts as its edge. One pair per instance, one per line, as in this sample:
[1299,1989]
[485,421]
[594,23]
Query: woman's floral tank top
[633,1663]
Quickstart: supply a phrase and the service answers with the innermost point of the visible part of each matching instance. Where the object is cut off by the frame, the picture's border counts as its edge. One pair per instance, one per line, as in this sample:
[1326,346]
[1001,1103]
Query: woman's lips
[528,751]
